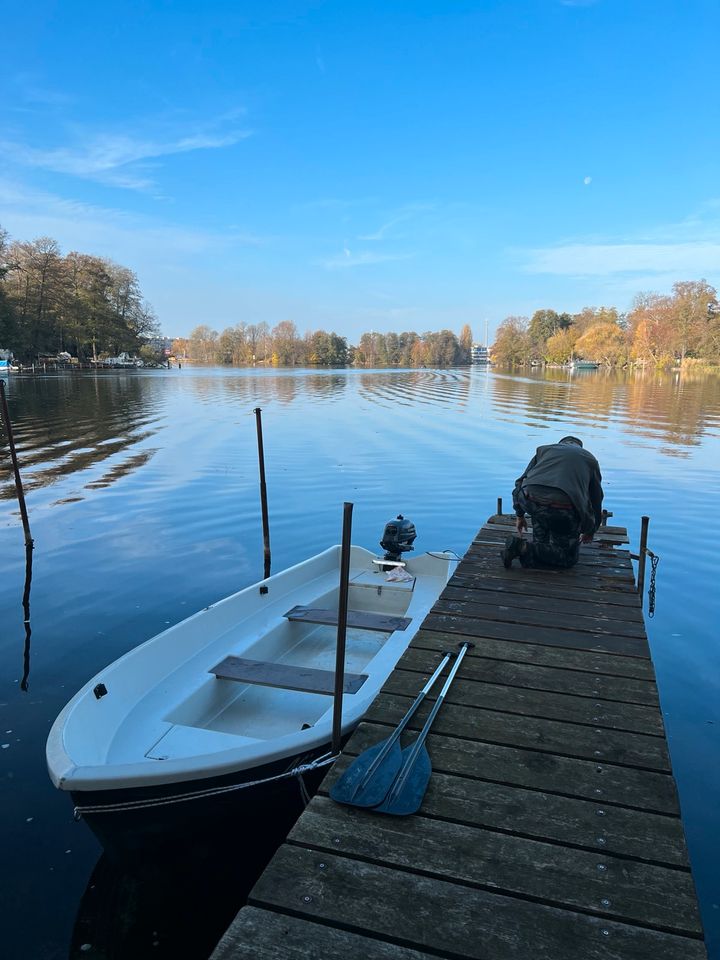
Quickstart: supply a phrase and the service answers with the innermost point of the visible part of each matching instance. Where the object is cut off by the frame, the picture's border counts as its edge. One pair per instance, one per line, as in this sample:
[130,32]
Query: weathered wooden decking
[550,829]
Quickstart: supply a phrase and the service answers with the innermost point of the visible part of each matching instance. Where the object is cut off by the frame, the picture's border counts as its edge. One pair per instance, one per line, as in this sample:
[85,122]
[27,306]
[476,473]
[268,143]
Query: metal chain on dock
[654,561]
[298,771]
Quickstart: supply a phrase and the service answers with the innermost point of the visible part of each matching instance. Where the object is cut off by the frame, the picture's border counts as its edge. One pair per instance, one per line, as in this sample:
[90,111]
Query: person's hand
[521,524]
[586,538]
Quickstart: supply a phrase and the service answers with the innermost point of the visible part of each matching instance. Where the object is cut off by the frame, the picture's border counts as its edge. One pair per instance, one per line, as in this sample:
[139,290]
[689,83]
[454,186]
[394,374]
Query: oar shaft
[406,769]
[390,742]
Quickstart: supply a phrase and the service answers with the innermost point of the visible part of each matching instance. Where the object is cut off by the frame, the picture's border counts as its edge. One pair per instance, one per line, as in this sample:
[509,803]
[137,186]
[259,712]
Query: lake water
[142,490]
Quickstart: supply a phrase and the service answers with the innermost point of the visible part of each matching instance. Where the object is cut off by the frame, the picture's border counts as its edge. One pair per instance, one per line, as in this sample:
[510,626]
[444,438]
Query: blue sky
[368,165]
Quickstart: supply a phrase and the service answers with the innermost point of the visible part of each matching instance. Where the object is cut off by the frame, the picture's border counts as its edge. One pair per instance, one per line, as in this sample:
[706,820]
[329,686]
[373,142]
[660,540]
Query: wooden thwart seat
[355,618]
[285,675]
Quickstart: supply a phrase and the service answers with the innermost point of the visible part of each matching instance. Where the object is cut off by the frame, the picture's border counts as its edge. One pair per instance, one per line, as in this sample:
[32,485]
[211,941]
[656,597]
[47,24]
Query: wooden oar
[369,777]
[408,789]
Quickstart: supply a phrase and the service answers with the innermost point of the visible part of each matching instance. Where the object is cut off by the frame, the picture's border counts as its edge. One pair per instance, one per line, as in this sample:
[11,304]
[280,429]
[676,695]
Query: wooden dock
[551,828]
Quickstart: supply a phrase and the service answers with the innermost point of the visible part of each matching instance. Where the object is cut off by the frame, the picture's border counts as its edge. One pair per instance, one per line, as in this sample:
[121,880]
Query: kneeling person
[561,490]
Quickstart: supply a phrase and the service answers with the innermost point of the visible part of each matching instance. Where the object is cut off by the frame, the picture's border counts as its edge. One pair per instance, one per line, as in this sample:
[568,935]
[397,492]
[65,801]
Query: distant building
[479,353]
[161,344]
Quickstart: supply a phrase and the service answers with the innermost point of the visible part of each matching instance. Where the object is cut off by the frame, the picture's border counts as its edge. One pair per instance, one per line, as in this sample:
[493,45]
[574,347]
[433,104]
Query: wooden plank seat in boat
[288,676]
[359,619]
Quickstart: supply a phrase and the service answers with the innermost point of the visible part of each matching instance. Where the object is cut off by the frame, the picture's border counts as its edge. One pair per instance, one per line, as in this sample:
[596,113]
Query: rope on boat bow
[121,807]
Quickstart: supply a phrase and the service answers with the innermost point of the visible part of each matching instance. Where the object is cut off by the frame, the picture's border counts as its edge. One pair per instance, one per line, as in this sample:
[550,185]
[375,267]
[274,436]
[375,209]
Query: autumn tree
[180,347]
[693,304]
[560,347]
[202,344]
[286,344]
[326,349]
[231,346]
[604,343]
[512,342]
[77,302]
[257,336]
[393,350]
[543,325]
[406,346]
[465,342]
[589,316]
[650,329]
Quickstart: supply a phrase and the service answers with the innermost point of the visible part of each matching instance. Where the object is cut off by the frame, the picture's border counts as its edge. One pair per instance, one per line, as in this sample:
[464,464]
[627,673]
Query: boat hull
[226,811]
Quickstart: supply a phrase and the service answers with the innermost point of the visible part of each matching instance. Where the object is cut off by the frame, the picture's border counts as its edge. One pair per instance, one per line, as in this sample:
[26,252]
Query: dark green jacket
[572,469]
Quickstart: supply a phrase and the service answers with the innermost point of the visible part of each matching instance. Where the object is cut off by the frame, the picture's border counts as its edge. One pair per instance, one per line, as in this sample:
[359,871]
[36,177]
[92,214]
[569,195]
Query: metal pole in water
[342,627]
[263,493]
[642,554]
[16,467]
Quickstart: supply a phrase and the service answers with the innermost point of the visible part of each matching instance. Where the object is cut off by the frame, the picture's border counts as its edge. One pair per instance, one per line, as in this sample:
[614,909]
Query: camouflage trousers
[556,534]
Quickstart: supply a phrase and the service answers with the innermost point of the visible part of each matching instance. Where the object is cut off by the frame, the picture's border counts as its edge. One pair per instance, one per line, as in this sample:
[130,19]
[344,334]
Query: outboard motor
[398,536]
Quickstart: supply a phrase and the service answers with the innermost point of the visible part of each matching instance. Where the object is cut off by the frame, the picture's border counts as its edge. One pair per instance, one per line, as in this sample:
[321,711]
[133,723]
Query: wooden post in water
[499,506]
[342,627]
[642,554]
[16,467]
[263,494]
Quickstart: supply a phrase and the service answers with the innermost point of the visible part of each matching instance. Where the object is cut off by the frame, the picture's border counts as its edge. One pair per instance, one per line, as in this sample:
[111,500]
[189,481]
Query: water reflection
[663,408]
[410,387]
[170,906]
[68,424]
[24,685]
[253,387]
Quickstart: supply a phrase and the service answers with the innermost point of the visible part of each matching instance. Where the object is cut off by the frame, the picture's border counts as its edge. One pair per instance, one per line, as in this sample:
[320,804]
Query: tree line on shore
[658,330]
[78,303]
[92,307]
[283,345]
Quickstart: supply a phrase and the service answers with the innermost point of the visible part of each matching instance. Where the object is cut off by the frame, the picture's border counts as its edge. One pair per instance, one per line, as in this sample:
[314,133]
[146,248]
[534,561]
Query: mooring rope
[298,771]
[654,561]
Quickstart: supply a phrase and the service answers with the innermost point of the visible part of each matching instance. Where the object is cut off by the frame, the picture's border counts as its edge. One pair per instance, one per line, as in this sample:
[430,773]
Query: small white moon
[587,180]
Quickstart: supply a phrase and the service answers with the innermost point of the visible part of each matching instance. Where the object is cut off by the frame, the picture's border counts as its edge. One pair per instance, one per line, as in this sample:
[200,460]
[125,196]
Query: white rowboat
[229,702]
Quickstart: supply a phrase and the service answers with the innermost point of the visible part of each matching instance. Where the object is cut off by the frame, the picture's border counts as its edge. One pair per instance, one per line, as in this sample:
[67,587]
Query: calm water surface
[142,489]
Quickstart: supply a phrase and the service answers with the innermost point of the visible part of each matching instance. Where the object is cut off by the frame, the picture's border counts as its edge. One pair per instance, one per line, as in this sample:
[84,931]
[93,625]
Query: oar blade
[409,797]
[359,786]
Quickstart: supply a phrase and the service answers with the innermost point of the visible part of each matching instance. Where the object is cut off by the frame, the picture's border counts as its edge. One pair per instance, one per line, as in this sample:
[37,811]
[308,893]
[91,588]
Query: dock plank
[531,769]
[526,633]
[537,703]
[264,935]
[455,920]
[568,658]
[552,736]
[558,875]
[568,606]
[630,833]
[488,664]
[502,581]
[458,603]
[551,825]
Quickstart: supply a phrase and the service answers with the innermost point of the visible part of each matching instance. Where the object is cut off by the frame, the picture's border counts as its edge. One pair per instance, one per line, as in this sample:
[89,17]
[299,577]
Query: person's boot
[513,548]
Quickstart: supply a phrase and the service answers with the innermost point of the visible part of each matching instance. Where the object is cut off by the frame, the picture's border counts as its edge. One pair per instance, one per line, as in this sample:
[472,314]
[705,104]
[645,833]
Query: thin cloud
[604,259]
[405,214]
[107,231]
[112,159]
[33,90]
[332,204]
[380,234]
[364,259]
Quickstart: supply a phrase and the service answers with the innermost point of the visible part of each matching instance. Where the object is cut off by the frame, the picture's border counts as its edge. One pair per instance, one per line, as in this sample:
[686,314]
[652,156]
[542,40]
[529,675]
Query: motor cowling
[398,536]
